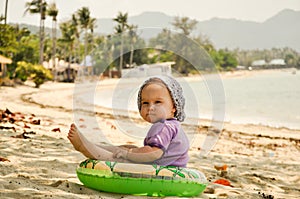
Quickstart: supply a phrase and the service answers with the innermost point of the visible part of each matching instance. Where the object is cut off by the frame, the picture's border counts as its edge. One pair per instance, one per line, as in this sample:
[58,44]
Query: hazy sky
[251,10]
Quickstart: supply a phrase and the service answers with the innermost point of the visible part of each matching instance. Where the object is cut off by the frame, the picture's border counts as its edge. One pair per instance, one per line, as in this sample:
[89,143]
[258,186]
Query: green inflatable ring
[141,179]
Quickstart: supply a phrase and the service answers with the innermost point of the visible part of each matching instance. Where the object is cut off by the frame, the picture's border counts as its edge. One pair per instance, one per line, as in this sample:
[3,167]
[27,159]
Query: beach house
[258,64]
[62,71]
[277,63]
[147,70]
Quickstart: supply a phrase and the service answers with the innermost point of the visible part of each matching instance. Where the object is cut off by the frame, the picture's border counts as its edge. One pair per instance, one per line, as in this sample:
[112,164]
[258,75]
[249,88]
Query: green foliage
[246,57]
[27,49]
[224,59]
[217,59]
[76,40]
[8,43]
[228,60]
[18,44]
[185,24]
[298,63]
[37,73]
[160,56]
[22,71]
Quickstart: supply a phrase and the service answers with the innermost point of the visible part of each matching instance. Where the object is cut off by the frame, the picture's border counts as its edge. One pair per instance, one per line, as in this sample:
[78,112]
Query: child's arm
[127,146]
[141,154]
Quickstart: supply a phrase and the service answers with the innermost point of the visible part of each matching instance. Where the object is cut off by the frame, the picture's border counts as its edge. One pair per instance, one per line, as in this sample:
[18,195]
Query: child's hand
[121,153]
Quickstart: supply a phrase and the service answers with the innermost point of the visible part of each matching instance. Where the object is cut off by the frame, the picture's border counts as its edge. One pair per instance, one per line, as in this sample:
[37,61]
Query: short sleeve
[160,136]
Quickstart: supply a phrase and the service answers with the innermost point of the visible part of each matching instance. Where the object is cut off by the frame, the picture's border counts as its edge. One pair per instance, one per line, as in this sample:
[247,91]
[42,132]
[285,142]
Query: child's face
[156,103]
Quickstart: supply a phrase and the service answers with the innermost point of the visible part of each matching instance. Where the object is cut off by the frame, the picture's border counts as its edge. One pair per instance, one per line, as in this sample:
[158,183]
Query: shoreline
[35,98]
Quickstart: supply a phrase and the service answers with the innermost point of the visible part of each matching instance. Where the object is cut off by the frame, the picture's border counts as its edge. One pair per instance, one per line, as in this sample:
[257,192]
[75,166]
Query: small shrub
[37,73]
[6,82]
[23,70]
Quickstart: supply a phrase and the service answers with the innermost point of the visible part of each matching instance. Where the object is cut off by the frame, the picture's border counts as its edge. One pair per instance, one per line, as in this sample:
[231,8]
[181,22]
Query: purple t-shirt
[170,137]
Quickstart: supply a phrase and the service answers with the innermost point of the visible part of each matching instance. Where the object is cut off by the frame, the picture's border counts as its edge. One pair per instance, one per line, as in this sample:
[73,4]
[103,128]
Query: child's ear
[173,110]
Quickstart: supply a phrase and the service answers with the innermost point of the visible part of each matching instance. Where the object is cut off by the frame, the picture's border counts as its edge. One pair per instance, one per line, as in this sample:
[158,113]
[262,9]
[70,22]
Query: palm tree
[133,38]
[2,18]
[86,23]
[185,24]
[121,19]
[68,31]
[75,24]
[53,12]
[34,7]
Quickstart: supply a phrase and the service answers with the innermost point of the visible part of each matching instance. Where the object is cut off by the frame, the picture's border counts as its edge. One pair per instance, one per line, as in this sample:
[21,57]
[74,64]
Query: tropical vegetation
[123,48]
[36,72]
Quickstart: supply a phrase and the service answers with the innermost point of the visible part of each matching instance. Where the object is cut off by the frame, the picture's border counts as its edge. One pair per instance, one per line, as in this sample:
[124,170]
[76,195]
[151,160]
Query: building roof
[259,63]
[5,60]
[277,62]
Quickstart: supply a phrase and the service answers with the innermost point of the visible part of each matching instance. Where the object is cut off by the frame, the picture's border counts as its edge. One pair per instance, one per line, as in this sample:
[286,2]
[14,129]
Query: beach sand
[38,161]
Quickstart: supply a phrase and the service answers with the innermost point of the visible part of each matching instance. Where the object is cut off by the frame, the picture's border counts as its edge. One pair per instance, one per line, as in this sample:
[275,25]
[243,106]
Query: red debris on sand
[24,135]
[8,116]
[26,126]
[8,128]
[223,182]
[36,122]
[4,159]
[113,127]
[221,167]
[8,112]
[56,130]
[20,120]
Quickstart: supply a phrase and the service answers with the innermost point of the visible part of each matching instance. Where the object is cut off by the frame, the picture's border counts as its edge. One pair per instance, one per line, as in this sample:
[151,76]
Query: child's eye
[157,102]
[145,103]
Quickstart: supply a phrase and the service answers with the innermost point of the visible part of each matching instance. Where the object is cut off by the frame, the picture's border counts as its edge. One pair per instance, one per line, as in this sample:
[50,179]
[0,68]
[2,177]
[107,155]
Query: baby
[160,102]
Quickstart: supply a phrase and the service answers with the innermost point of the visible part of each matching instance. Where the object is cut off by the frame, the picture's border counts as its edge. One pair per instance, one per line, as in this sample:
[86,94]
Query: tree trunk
[131,55]
[54,48]
[41,42]
[42,27]
[85,46]
[5,15]
[4,69]
[85,51]
[69,69]
[121,55]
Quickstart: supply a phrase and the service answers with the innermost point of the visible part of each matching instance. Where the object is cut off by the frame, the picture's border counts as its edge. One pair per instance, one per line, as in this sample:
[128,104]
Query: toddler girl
[160,102]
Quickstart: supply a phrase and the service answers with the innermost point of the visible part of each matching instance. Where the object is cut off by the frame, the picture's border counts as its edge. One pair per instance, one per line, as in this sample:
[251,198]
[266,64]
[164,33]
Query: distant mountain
[281,30]
[35,29]
[144,20]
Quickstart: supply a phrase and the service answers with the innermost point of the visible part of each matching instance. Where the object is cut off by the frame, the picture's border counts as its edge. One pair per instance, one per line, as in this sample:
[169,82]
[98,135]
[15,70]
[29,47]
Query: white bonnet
[176,93]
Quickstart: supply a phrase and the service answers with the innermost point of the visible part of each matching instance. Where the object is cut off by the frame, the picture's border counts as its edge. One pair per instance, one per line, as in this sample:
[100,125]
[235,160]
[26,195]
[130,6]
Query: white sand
[259,159]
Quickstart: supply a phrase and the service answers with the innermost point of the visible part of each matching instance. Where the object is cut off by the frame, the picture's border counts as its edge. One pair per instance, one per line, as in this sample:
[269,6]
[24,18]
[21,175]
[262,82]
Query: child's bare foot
[74,138]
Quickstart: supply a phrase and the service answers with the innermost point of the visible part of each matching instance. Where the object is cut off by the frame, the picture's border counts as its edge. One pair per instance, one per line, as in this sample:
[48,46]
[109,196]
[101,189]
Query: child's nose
[151,107]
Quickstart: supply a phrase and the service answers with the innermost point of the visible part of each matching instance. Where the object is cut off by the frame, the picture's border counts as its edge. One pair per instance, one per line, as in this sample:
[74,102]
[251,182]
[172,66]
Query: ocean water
[271,99]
